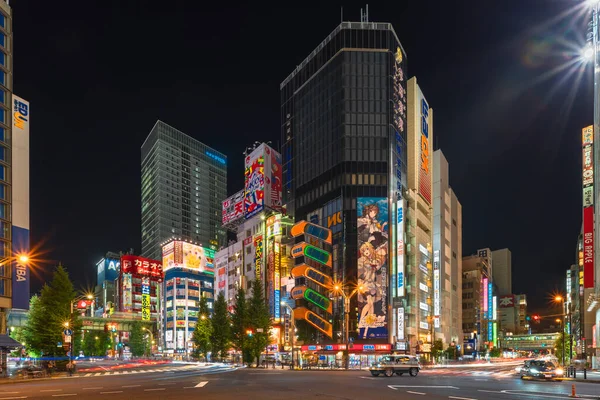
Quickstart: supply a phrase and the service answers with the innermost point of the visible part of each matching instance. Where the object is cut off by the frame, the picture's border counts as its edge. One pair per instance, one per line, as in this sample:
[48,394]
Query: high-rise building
[108,270]
[344,134]
[183,185]
[512,314]
[447,249]
[502,270]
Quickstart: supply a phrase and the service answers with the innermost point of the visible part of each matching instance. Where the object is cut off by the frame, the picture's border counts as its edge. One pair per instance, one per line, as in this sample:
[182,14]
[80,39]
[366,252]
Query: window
[2,39]
[453,222]
[454,255]
[248,267]
[2,20]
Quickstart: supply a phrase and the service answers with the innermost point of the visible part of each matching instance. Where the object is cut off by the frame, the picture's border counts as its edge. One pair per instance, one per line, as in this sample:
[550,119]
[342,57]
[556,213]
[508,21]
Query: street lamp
[338,289]
[560,299]
[286,305]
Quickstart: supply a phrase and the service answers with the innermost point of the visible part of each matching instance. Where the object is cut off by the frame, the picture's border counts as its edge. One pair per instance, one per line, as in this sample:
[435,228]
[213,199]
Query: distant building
[502,270]
[512,314]
[447,255]
[107,273]
[183,185]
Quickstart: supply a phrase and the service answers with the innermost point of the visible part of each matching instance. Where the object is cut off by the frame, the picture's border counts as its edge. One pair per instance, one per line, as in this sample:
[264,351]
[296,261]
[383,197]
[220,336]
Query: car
[542,369]
[525,365]
[396,364]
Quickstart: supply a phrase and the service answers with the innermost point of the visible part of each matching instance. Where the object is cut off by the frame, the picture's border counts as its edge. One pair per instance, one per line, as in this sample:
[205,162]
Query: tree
[48,314]
[221,328]
[558,346]
[202,333]
[259,321]
[137,344]
[240,324]
[495,352]
[438,348]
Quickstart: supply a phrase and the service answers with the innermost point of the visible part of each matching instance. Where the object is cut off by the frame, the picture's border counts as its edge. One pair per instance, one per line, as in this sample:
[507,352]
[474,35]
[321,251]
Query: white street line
[93,388]
[90,374]
[395,387]
[419,393]
[64,395]
[51,390]
[265,373]
[98,374]
[3,393]
[369,377]
[11,398]
[460,398]
[169,372]
[135,371]
[489,391]
[164,384]
[116,391]
[153,390]
[130,386]
[201,384]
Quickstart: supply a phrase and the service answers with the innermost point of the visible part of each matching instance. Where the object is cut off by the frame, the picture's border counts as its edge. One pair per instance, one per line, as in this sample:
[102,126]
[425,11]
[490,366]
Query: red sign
[506,301]
[142,267]
[352,347]
[82,304]
[588,247]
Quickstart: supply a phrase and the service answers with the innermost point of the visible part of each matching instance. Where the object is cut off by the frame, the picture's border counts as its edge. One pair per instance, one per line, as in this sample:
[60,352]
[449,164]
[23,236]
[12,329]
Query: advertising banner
[233,208]
[436,287]
[142,267]
[399,122]
[145,307]
[400,249]
[270,293]
[277,281]
[222,277]
[494,308]
[425,153]
[506,301]
[490,298]
[372,266]
[587,140]
[588,247]
[254,182]
[273,179]
[112,268]
[485,296]
[179,254]
[400,323]
[127,298]
[20,200]
[258,255]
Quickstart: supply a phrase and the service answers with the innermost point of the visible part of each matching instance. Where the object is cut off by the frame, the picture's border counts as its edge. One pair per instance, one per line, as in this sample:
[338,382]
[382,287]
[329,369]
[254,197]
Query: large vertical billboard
[587,139]
[372,266]
[273,179]
[400,248]
[262,181]
[20,201]
[425,152]
[399,122]
[233,208]
[436,289]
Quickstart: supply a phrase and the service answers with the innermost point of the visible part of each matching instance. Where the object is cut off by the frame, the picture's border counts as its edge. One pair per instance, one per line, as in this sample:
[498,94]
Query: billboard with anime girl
[372,232]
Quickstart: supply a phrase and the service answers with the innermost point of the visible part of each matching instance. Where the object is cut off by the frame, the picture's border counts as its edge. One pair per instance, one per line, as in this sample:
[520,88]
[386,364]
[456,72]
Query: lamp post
[286,305]
[338,289]
[560,299]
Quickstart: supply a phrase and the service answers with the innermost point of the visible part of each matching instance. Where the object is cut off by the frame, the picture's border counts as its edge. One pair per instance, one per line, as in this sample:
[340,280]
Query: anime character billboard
[372,232]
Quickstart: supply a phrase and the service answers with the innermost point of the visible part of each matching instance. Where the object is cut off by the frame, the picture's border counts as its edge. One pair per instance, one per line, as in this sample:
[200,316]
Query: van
[398,364]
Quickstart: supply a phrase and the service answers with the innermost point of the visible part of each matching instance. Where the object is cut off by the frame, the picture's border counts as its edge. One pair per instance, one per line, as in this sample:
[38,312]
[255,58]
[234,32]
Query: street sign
[67,332]
[67,339]
[59,344]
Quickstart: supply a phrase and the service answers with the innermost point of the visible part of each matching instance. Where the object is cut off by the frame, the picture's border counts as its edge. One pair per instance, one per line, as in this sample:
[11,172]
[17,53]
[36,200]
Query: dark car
[542,369]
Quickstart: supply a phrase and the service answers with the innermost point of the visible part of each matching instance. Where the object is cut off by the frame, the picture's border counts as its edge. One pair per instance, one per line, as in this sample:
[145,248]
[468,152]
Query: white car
[396,364]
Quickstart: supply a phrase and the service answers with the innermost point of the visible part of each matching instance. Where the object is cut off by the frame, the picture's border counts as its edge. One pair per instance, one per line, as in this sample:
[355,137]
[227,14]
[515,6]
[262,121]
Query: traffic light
[249,332]
[536,318]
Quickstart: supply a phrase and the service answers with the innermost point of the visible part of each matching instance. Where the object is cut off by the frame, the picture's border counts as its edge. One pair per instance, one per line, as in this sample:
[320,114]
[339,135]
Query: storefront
[331,355]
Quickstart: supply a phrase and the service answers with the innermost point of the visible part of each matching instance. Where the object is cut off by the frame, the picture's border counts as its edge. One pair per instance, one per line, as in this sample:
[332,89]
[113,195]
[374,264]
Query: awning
[6,342]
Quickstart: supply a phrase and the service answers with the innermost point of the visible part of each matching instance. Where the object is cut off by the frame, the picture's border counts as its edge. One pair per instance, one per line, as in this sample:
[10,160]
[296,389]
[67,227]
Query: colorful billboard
[273,179]
[485,296]
[20,200]
[277,281]
[436,289]
[146,299]
[372,266]
[400,249]
[180,254]
[142,267]
[258,255]
[233,208]
[399,122]
[425,153]
[506,301]
[254,183]
[587,140]
[126,295]
[221,263]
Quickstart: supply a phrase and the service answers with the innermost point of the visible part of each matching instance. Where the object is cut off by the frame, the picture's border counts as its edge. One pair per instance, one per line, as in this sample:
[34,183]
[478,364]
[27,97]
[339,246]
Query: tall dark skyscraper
[343,115]
[183,185]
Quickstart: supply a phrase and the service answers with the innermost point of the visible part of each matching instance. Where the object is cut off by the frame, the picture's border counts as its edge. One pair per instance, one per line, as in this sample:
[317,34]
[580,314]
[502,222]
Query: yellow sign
[145,307]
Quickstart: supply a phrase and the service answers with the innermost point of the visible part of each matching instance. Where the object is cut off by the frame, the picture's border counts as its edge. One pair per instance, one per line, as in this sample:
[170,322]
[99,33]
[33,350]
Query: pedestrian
[70,368]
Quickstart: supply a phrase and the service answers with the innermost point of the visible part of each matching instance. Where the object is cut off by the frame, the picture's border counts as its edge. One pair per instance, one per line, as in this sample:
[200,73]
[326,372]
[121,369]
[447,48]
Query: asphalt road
[219,382]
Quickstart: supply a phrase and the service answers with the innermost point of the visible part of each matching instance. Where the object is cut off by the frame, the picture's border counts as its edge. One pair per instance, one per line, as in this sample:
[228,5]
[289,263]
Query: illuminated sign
[312,252]
[21,113]
[423,249]
[127,297]
[588,247]
[318,299]
[179,254]
[400,247]
[423,325]
[142,267]
[145,307]
[423,306]
[258,254]
[506,301]
[587,139]
[424,173]
[490,331]
[219,159]
[400,328]
[494,309]
[254,187]
[316,321]
[311,229]
[398,117]
[233,208]
[436,284]
[312,274]
[490,298]
[485,295]
[495,334]
[277,278]
[423,287]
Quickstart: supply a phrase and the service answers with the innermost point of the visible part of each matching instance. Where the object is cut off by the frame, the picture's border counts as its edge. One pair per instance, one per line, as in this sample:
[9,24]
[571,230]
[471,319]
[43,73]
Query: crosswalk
[143,371]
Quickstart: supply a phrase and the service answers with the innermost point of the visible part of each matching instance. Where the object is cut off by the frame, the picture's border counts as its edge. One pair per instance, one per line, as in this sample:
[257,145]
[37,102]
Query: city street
[223,382]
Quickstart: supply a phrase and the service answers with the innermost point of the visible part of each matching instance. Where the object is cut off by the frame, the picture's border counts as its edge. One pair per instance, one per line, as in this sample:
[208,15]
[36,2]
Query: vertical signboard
[233,208]
[400,329]
[273,178]
[372,266]
[485,296]
[277,281]
[424,134]
[127,297]
[258,254]
[146,299]
[254,182]
[20,200]
[490,299]
[436,289]
[399,122]
[400,249]
[494,308]
[588,206]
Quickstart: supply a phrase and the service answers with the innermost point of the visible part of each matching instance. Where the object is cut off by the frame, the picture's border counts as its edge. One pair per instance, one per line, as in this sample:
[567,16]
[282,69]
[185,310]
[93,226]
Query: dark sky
[99,74]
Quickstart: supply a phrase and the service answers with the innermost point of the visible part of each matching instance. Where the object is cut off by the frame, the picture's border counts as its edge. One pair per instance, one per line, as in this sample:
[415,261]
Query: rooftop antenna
[367,14]
[342,13]
[361,16]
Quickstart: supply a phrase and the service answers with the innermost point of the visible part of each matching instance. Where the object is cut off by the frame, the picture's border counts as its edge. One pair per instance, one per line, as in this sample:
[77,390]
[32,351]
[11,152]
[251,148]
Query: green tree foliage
[221,328]
[202,333]
[495,352]
[558,346]
[451,353]
[137,343]
[48,314]
[438,348]
[240,324]
[259,321]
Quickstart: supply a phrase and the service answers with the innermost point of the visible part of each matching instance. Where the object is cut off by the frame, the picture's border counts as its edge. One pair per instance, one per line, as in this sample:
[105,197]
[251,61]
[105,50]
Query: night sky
[99,74]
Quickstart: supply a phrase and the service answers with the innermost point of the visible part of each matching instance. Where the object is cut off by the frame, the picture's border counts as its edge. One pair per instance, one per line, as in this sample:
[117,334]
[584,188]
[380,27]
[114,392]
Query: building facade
[512,315]
[107,273]
[447,255]
[344,138]
[183,185]
[189,275]
[503,270]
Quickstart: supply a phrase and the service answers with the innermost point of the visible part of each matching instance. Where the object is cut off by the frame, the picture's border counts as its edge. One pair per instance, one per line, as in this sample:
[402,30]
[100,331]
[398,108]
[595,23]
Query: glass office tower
[343,116]
[183,185]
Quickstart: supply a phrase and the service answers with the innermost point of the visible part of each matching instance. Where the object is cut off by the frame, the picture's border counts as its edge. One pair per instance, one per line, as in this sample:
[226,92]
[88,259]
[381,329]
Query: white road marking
[93,388]
[51,390]
[90,374]
[460,398]
[164,384]
[395,387]
[116,391]
[369,377]
[64,395]
[489,391]
[11,398]
[201,384]
[130,386]
[98,374]
[419,393]
[153,390]
[265,373]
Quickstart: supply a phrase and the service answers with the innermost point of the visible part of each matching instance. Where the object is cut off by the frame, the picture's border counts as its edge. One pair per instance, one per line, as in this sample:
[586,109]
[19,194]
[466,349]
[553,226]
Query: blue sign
[20,271]
[368,347]
[400,279]
[68,332]
[277,304]
[322,358]
[490,302]
[329,347]
[111,268]
[215,157]
[490,331]
[312,348]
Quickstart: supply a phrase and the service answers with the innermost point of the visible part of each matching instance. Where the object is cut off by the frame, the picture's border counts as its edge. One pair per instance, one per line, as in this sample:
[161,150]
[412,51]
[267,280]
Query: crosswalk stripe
[88,374]
[97,374]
